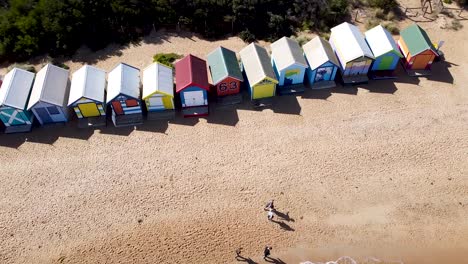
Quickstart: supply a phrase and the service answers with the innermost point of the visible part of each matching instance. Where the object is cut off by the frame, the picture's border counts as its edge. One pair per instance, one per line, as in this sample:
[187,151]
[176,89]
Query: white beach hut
[158,91]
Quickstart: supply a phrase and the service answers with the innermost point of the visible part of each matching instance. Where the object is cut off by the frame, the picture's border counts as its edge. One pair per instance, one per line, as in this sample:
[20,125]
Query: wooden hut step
[161,115]
[17,129]
[97,121]
[382,75]
[128,120]
[263,102]
[323,85]
[195,111]
[355,79]
[291,89]
[229,99]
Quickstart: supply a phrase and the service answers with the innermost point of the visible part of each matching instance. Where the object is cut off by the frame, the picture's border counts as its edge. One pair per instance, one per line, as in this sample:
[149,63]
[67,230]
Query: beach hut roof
[417,40]
[50,86]
[286,52]
[16,88]
[381,41]
[88,82]
[123,79]
[349,43]
[223,63]
[191,71]
[319,51]
[158,78]
[257,64]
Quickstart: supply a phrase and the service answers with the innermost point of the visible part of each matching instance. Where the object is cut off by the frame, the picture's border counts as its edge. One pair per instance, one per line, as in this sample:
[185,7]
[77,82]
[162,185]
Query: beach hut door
[43,115]
[194,98]
[323,74]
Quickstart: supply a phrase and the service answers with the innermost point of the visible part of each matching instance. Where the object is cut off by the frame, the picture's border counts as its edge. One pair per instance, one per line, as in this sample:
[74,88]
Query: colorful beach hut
[417,49]
[225,75]
[87,92]
[353,53]
[14,95]
[49,95]
[289,65]
[323,63]
[158,91]
[123,95]
[385,50]
[257,68]
[192,85]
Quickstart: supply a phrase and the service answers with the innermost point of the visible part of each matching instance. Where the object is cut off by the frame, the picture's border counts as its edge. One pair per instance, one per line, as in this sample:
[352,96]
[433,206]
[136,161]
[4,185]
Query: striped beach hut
[49,95]
[14,95]
[123,95]
[225,72]
[192,85]
[257,68]
[385,50]
[353,53]
[418,51]
[323,63]
[87,92]
[288,63]
[158,90]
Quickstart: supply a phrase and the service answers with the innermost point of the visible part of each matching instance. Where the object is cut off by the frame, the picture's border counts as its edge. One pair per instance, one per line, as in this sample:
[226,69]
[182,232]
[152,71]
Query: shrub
[390,16]
[166,58]
[392,28]
[23,66]
[386,5]
[379,13]
[247,36]
[371,23]
[448,1]
[456,25]
[302,40]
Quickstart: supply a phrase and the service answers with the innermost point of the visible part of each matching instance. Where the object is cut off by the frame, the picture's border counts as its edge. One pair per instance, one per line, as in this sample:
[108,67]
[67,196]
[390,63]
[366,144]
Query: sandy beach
[377,172]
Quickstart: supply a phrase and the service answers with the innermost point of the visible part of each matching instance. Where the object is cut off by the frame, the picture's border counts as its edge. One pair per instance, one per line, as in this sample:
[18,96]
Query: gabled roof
[381,42]
[50,86]
[349,43]
[223,63]
[257,64]
[319,51]
[191,71]
[123,79]
[16,88]
[157,78]
[417,40]
[286,52]
[88,82]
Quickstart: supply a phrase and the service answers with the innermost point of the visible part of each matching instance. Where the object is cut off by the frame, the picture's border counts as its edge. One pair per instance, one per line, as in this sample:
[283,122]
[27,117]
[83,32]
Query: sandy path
[376,171]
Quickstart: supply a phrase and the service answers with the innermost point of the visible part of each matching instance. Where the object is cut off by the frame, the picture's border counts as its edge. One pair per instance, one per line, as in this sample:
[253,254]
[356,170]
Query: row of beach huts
[48,95]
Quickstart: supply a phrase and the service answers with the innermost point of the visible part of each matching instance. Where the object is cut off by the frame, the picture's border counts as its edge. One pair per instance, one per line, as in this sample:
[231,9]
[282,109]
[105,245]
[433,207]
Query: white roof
[349,43]
[286,52]
[16,88]
[50,86]
[88,82]
[157,78]
[318,51]
[123,79]
[256,63]
[381,41]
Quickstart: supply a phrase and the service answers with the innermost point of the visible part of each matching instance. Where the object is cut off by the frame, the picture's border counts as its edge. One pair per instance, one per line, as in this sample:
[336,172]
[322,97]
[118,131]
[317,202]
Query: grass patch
[166,58]
[391,27]
[456,25]
[373,22]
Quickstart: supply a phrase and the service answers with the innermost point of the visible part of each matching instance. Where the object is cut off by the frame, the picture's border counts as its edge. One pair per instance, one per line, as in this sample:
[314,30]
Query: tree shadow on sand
[244,259]
[274,260]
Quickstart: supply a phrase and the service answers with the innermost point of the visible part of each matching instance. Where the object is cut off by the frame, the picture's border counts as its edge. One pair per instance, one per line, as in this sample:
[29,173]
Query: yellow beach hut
[158,91]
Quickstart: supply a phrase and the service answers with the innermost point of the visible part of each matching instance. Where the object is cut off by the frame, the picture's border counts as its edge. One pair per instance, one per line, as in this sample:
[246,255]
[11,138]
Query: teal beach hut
[14,95]
[323,63]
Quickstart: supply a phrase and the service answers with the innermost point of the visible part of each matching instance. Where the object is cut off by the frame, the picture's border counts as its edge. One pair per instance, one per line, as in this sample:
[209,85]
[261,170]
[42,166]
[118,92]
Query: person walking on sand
[266,252]
[270,205]
[270,214]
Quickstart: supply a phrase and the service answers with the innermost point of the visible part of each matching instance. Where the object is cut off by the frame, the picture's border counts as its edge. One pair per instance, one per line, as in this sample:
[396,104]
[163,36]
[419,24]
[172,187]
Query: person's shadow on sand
[283,225]
[244,259]
[274,260]
[284,216]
